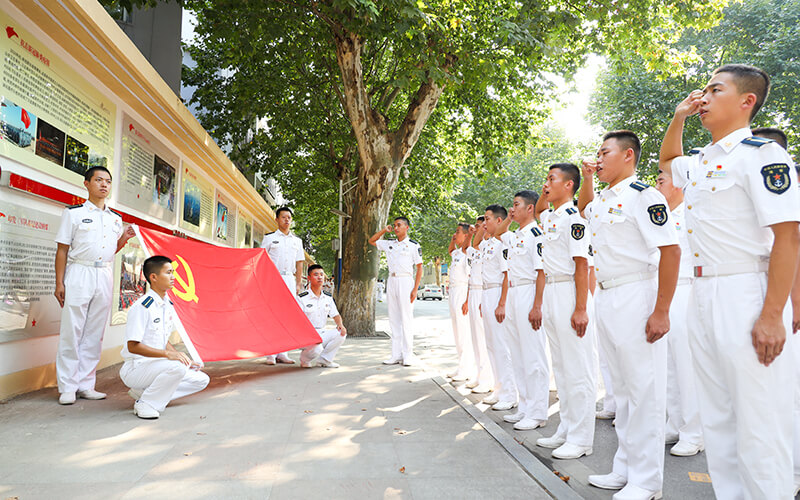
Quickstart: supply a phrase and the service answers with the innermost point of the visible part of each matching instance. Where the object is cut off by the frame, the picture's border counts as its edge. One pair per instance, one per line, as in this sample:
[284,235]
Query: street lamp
[341,214]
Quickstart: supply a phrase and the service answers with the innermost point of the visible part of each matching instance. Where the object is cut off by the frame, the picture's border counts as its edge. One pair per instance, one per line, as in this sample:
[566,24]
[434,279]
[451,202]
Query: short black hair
[314,267]
[87,176]
[627,139]
[497,211]
[481,218]
[154,265]
[748,79]
[283,209]
[530,197]
[571,173]
[404,219]
[464,227]
[773,133]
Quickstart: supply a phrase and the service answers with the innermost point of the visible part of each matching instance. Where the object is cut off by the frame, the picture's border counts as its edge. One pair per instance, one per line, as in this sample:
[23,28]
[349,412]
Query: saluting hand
[472,229]
[691,105]
[588,168]
[657,326]
[388,229]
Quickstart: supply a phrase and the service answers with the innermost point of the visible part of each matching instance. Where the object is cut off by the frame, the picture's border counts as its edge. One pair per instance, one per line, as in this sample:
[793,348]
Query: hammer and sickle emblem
[188,294]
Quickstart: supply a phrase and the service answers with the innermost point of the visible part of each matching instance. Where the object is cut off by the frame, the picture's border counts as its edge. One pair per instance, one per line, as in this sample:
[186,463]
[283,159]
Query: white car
[432,292]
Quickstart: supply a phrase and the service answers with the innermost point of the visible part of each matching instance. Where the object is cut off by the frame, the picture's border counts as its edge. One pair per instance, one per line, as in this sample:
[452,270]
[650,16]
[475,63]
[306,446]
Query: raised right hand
[588,168]
[689,106]
[388,228]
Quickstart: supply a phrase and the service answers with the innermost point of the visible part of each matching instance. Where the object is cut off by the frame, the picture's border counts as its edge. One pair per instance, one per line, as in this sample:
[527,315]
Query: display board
[244,231]
[197,203]
[258,234]
[129,282]
[148,172]
[51,119]
[225,220]
[28,307]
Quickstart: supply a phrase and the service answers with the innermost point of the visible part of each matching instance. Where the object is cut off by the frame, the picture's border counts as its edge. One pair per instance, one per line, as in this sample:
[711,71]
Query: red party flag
[231,302]
[25,118]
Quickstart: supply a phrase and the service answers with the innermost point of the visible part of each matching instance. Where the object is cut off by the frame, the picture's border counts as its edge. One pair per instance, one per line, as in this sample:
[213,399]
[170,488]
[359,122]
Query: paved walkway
[280,432]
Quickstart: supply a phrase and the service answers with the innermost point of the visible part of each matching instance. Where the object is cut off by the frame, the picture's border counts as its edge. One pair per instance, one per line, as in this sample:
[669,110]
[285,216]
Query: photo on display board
[17,125]
[191,203]
[222,221]
[77,156]
[131,280]
[164,185]
[248,230]
[97,160]
[50,142]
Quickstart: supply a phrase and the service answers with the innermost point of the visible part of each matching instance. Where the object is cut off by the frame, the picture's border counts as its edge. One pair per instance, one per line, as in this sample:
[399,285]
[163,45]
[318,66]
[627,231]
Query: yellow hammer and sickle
[188,294]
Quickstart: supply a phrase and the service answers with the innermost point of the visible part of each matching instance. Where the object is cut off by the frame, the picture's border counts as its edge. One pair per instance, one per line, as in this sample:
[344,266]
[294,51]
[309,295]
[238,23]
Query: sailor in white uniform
[319,306]
[458,273]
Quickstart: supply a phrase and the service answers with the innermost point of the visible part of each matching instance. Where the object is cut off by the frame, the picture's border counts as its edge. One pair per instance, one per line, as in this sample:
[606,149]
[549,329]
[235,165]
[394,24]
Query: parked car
[432,292]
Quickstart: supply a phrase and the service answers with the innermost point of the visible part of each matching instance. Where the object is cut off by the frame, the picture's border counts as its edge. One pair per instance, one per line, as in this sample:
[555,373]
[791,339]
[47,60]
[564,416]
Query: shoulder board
[170,302]
[115,212]
[329,294]
[694,151]
[639,185]
[756,141]
[302,294]
[536,231]
[571,211]
[147,302]
[415,242]
[273,232]
[79,205]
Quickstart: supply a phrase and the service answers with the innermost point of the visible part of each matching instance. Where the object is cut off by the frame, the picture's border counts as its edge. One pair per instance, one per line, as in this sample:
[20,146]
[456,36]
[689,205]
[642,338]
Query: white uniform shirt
[678,216]
[565,237]
[494,257]
[318,308]
[475,261]
[91,233]
[523,252]
[402,257]
[733,192]
[285,250]
[151,320]
[628,223]
[459,268]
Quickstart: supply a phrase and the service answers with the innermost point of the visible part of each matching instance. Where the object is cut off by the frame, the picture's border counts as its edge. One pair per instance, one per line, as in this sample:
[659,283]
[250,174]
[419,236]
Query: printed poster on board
[225,221]
[197,203]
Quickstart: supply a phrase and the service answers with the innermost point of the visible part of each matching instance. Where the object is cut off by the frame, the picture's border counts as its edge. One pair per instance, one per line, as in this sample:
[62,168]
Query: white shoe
[304,364]
[569,451]
[91,394]
[481,389]
[458,377]
[528,424]
[409,362]
[633,492]
[144,410]
[605,415]
[392,361]
[284,359]
[327,364]
[452,374]
[551,442]
[270,360]
[504,406]
[684,449]
[671,438]
[610,481]
[491,399]
[471,384]
[513,418]
[796,489]
[66,398]
[136,394]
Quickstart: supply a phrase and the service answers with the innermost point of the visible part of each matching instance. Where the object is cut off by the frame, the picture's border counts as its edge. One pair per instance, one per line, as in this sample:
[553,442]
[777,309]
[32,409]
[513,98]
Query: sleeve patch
[147,302]
[658,214]
[776,177]
[539,249]
[578,230]
[639,186]
[505,253]
[571,211]
[756,141]
[591,252]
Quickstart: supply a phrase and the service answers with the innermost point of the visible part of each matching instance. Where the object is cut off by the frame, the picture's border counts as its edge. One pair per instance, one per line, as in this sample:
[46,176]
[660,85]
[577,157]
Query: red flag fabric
[25,118]
[232,302]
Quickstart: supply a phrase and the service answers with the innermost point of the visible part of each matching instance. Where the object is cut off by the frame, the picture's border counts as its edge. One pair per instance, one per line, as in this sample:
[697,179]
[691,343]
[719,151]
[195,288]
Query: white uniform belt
[287,274]
[476,287]
[90,263]
[487,286]
[729,269]
[558,278]
[685,281]
[400,275]
[452,285]
[521,282]
[625,279]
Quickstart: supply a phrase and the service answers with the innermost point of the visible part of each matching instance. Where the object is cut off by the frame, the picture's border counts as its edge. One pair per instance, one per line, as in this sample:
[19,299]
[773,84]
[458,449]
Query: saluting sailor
[484,380]
[319,306]
[286,251]
[404,258]
[89,236]
[459,289]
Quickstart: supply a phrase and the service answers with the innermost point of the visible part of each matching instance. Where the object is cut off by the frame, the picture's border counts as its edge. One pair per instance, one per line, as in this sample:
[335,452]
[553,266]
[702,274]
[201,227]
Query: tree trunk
[437,269]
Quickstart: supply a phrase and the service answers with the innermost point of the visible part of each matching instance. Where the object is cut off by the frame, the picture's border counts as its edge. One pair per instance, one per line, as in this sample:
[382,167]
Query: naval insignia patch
[577,231]
[539,249]
[658,214]
[505,253]
[591,253]
[776,177]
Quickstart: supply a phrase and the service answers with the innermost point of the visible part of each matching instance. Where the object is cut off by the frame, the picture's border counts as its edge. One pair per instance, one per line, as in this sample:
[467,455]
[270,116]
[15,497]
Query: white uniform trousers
[162,380]
[683,413]
[744,406]
[401,316]
[86,312]
[609,403]
[639,376]
[574,364]
[795,344]
[484,374]
[497,347]
[332,340]
[461,332]
[528,348]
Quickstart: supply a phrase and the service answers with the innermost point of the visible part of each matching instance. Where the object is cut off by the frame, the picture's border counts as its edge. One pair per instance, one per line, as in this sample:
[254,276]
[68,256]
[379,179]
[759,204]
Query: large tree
[346,87]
